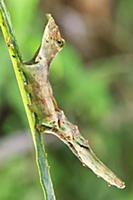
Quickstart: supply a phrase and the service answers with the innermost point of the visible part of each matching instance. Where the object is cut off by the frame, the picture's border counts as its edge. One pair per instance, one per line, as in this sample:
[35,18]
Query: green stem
[16,59]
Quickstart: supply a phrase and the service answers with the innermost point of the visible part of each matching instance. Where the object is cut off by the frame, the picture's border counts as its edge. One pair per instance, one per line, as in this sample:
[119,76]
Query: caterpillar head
[52,41]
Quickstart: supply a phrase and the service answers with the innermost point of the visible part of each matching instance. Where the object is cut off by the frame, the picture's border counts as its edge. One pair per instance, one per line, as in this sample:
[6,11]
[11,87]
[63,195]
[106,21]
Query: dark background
[92,80]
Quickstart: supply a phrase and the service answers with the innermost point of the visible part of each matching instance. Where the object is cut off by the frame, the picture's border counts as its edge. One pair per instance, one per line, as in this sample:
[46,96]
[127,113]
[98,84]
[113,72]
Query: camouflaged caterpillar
[49,117]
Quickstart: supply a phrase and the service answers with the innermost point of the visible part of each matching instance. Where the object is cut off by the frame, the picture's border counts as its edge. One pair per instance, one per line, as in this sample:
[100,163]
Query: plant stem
[41,157]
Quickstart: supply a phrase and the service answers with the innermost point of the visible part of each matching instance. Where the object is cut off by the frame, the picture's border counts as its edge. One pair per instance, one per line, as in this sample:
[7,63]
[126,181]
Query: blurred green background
[93,82]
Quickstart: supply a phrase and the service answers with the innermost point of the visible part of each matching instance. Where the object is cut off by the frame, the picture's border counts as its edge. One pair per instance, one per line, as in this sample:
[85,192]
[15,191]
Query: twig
[41,157]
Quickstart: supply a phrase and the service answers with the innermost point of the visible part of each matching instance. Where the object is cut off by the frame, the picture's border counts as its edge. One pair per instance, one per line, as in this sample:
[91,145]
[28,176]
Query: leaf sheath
[16,59]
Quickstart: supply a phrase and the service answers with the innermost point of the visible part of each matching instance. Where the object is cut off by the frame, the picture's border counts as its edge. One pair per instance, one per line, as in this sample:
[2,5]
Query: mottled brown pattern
[50,118]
